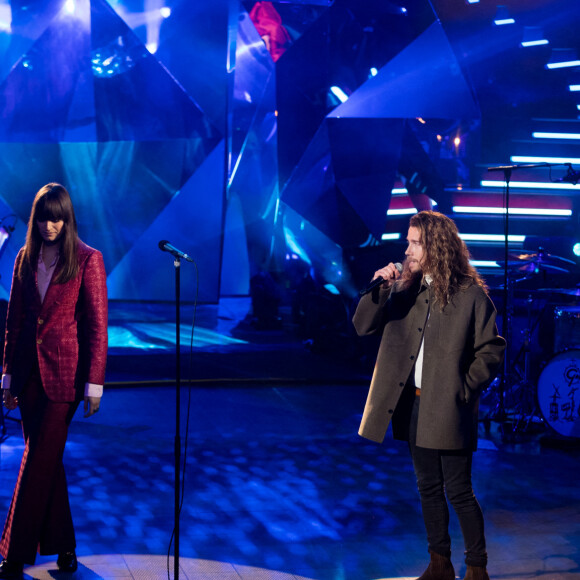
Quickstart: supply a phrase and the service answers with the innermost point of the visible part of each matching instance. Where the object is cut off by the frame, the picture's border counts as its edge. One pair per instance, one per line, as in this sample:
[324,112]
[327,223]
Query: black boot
[10,570]
[476,573]
[67,562]
[440,568]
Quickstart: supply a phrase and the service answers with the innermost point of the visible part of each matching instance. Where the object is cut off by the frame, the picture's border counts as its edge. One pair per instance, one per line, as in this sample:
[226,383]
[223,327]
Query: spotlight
[339,94]
[165,12]
[576,249]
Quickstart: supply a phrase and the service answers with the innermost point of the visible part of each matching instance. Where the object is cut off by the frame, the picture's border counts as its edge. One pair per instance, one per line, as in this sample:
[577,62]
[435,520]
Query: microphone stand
[177,443]
[506,318]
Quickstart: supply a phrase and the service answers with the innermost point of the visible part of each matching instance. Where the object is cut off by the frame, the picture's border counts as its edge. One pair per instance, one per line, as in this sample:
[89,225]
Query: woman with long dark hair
[54,357]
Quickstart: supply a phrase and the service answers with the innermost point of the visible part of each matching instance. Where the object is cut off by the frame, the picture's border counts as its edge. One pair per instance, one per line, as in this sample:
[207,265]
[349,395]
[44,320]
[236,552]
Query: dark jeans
[439,472]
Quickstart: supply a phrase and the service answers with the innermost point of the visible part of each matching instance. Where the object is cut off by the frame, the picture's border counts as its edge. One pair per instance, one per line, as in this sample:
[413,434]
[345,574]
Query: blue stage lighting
[563,58]
[527,184]
[547,135]
[576,249]
[536,159]
[533,36]
[339,94]
[502,17]
[491,238]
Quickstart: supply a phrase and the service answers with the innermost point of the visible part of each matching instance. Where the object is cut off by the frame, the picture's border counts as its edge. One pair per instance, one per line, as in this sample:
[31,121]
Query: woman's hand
[10,402]
[92,405]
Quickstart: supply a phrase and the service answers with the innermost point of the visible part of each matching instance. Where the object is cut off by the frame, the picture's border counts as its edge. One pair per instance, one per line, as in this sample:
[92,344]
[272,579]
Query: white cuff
[92,390]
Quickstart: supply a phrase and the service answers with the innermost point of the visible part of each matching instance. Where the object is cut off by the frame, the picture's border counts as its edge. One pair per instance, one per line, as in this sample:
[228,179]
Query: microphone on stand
[378,281]
[165,246]
[570,177]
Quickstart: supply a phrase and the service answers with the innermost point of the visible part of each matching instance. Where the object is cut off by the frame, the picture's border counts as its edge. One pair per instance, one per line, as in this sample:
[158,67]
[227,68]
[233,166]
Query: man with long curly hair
[439,349]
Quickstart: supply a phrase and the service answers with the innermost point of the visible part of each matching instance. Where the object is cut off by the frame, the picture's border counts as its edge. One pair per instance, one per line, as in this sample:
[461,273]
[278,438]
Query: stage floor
[277,483]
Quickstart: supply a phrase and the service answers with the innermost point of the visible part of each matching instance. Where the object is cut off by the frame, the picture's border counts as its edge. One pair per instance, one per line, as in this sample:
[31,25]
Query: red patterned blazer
[68,330]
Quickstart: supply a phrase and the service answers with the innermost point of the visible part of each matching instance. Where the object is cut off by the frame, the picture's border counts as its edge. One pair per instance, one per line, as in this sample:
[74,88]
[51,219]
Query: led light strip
[534,42]
[527,159]
[528,184]
[563,64]
[546,135]
[491,238]
[513,210]
[484,264]
[402,211]
[391,237]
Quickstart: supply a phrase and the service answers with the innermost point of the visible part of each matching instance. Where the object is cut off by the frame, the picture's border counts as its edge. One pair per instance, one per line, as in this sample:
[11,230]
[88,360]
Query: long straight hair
[52,203]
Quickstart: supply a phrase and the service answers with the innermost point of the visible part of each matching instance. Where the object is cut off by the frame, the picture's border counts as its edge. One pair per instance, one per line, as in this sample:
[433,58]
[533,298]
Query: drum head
[559,393]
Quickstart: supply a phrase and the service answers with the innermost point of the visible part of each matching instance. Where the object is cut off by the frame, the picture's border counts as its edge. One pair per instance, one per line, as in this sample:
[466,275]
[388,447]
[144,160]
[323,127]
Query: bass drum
[559,393]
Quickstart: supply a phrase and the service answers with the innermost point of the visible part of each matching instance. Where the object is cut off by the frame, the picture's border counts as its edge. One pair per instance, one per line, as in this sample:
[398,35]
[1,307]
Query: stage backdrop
[246,133]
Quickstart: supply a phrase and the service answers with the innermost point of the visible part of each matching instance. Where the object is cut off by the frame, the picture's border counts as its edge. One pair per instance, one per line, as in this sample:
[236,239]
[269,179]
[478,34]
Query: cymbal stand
[500,412]
[526,407]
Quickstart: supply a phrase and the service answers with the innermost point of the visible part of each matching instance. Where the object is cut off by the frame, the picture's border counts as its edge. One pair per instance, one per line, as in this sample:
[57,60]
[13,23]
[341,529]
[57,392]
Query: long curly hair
[52,202]
[445,257]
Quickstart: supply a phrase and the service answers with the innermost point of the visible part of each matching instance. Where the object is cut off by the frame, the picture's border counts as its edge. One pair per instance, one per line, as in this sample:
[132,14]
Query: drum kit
[542,381]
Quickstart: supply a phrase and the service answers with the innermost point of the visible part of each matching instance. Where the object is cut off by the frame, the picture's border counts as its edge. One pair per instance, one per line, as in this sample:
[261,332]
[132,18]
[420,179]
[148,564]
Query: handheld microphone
[165,246]
[378,281]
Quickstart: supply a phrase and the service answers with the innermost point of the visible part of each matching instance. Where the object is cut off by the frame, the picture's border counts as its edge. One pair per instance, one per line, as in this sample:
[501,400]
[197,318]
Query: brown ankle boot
[476,573]
[440,568]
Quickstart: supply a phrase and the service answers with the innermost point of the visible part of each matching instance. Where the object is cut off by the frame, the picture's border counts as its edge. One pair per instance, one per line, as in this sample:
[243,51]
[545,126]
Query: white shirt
[419,362]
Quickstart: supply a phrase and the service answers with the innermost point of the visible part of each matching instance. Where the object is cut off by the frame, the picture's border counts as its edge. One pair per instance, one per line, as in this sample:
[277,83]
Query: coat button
[401,384]
[390,411]
[419,329]
[426,301]
[412,357]
[39,341]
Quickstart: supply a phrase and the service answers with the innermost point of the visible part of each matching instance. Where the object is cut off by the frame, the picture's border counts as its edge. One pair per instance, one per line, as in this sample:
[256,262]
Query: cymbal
[533,262]
[567,291]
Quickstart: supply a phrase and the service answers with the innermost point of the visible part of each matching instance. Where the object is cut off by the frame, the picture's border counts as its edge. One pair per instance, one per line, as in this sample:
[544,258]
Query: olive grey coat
[462,353]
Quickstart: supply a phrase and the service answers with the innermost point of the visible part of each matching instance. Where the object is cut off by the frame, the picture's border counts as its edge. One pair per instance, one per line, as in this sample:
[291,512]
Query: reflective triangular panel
[424,80]
[312,191]
[135,96]
[365,156]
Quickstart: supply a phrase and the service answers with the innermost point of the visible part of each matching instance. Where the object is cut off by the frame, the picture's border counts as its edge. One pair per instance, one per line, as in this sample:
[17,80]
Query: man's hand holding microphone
[385,276]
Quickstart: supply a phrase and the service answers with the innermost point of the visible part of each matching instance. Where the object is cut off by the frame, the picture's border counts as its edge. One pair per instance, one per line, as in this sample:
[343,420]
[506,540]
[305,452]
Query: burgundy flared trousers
[39,518]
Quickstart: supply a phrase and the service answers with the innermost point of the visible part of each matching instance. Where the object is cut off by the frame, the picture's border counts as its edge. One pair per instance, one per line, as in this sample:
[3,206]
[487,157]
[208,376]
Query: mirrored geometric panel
[337,54]
[313,192]
[365,157]
[135,96]
[21,25]
[424,80]
[193,47]
[254,166]
[36,96]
